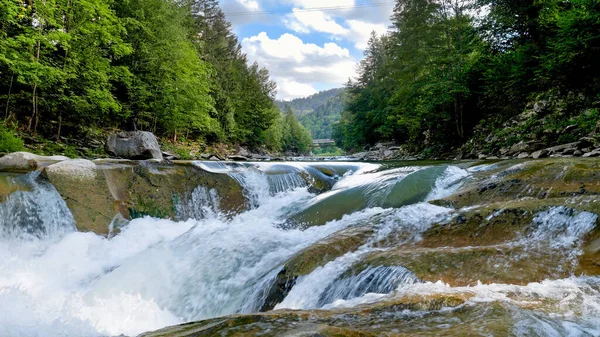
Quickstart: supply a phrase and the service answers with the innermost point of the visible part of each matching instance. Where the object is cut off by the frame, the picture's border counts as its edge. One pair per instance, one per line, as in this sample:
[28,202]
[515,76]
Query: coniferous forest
[454,73]
[77,68]
[318,112]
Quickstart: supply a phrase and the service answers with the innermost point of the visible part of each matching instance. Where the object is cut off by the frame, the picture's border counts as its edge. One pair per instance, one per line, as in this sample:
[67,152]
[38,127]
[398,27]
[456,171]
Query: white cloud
[249,4]
[321,3]
[360,32]
[296,66]
[353,22]
[316,21]
[289,89]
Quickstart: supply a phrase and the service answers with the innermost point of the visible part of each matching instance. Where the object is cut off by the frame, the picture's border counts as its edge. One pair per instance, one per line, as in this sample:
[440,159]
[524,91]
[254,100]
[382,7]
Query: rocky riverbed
[500,247]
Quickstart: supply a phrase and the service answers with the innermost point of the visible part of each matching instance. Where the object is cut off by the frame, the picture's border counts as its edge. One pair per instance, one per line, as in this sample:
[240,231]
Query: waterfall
[36,214]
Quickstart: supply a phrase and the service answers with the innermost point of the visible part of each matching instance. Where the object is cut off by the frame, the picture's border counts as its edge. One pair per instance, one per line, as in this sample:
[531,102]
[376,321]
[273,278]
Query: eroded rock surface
[23,162]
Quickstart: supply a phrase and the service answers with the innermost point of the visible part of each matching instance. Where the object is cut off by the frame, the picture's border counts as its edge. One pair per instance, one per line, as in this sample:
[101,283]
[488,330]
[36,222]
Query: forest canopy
[172,67]
[452,70]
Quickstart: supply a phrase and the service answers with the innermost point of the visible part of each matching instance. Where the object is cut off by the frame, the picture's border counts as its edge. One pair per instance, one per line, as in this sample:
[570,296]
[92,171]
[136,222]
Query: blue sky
[307,45]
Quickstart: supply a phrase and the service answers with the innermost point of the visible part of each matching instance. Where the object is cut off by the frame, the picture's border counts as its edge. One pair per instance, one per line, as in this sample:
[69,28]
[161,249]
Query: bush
[8,141]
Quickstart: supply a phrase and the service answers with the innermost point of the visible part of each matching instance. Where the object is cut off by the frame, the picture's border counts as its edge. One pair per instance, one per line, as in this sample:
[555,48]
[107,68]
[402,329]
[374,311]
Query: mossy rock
[538,179]
[466,266]
[318,254]
[155,188]
[25,162]
[401,316]
[479,244]
[97,191]
[83,187]
[9,183]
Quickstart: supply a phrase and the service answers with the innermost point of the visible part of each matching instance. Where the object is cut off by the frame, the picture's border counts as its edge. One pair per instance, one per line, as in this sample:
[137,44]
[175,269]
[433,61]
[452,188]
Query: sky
[307,45]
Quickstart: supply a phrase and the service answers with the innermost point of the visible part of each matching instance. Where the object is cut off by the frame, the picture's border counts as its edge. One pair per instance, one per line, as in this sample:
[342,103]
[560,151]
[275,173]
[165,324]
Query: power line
[310,9]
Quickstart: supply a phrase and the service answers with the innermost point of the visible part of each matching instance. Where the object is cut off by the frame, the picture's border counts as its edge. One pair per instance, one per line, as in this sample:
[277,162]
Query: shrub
[9,142]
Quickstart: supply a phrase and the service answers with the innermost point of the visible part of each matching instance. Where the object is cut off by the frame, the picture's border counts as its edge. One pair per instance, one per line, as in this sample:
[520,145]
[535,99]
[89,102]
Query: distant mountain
[317,112]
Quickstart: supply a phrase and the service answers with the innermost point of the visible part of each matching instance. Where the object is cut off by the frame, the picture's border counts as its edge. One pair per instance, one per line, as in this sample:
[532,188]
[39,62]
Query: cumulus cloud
[306,22]
[290,89]
[297,66]
[357,31]
[249,4]
[361,31]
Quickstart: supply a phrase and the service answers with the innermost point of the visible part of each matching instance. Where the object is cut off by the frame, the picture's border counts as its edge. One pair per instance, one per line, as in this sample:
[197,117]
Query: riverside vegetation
[468,77]
[74,71]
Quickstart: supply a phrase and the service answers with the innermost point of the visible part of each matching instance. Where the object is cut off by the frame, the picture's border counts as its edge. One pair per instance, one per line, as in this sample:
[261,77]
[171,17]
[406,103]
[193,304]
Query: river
[153,273]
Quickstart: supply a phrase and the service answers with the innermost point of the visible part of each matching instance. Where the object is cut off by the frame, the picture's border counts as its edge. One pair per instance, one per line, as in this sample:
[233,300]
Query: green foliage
[330,151]
[9,142]
[167,66]
[449,70]
[305,105]
[318,112]
[295,138]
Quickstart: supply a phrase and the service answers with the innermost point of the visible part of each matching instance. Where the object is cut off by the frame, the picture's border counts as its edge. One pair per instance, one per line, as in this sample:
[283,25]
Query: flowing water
[56,281]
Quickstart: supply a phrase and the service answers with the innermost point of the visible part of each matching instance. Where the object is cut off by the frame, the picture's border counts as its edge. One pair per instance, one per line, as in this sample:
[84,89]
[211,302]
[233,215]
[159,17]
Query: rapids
[152,273]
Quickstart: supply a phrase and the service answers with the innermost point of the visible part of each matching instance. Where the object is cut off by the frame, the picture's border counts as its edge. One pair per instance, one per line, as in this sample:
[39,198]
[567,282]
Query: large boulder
[97,191]
[23,162]
[133,145]
[83,186]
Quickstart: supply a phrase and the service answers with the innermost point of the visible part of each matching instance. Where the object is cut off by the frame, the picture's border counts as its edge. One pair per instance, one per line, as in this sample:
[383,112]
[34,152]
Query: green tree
[294,138]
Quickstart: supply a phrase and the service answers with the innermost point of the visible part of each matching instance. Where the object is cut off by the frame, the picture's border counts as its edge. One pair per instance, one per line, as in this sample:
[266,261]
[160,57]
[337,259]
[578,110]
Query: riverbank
[585,147]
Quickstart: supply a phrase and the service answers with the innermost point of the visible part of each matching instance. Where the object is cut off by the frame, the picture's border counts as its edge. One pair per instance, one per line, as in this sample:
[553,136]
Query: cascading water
[36,214]
[56,281]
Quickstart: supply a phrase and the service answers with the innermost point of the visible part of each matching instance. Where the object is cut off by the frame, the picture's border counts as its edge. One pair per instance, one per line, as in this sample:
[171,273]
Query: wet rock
[570,129]
[238,158]
[540,180]
[399,316]
[243,152]
[561,148]
[318,254]
[10,183]
[519,147]
[97,191]
[586,142]
[169,156]
[83,187]
[133,145]
[23,162]
[540,154]
[594,153]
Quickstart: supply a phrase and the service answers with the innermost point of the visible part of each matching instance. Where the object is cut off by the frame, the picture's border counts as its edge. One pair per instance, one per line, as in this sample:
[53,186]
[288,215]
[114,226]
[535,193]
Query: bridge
[323,142]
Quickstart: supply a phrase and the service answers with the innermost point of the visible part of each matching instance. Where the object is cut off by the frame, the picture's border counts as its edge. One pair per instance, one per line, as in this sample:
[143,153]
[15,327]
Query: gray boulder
[519,147]
[595,153]
[238,158]
[23,162]
[133,145]
[540,154]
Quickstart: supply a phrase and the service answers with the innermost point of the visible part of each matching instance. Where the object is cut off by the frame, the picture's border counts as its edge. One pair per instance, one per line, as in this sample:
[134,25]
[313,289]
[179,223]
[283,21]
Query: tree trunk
[59,127]
[34,98]
[8,98]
